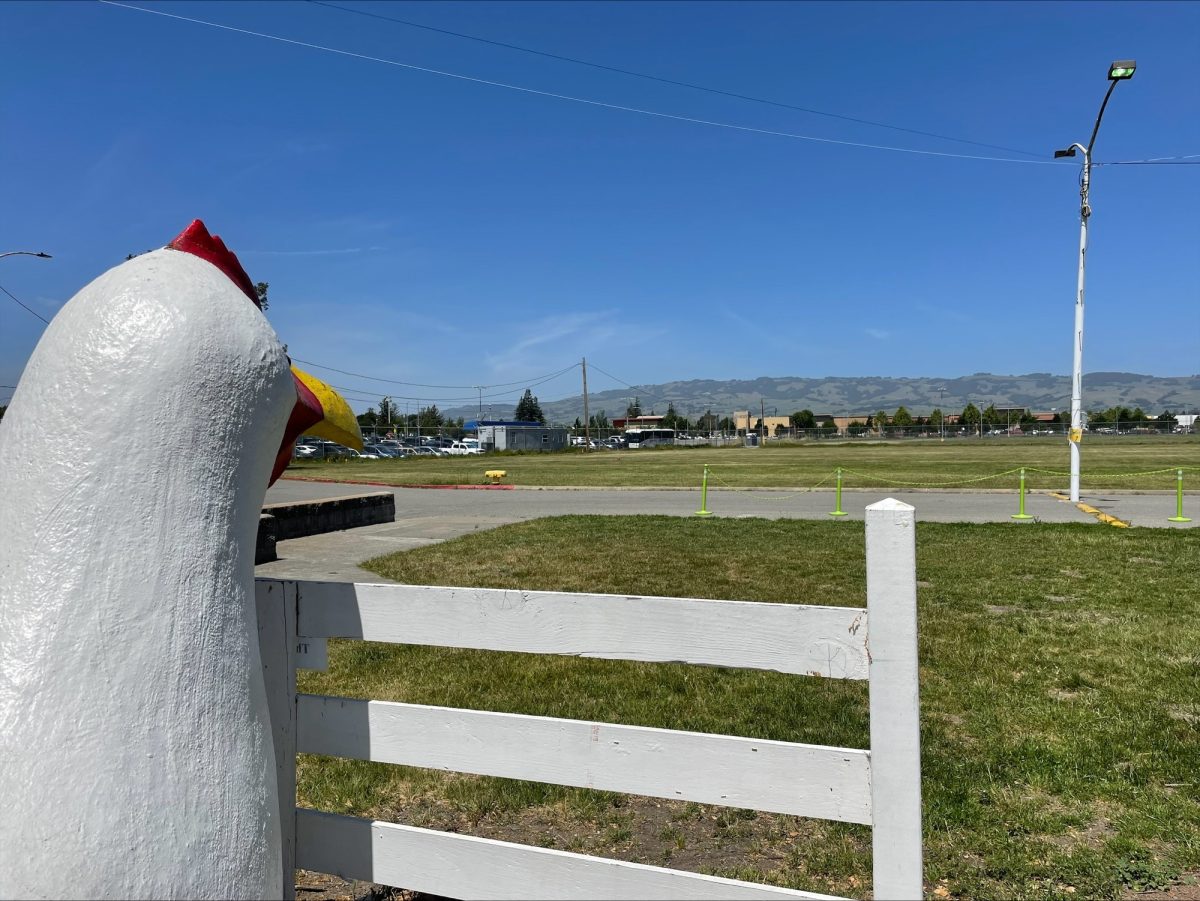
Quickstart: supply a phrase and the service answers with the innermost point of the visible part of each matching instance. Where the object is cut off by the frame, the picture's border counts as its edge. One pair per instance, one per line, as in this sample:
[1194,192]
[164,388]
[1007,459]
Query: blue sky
[434,230]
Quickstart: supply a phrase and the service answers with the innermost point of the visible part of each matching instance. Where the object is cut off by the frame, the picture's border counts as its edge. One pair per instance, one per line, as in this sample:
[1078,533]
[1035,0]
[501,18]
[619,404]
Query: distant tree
[671,419]
[880,420]
[261,290]
[937,417]
[990,416]
[970,415]
[577,426]
[528,409]
[829,427]
[387,411]
[902,417]
[600,421]
[634,409]
[430,418]
[368,419]
[803,419]
[726,424]
[858,427]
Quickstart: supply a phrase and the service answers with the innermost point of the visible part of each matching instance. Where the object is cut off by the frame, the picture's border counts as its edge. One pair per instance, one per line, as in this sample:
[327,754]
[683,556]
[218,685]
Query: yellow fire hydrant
[496,475]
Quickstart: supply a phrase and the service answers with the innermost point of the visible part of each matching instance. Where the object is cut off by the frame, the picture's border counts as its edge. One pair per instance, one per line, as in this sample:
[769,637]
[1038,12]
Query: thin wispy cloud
[331,251]
[572,329]
[877,333]
[943,313]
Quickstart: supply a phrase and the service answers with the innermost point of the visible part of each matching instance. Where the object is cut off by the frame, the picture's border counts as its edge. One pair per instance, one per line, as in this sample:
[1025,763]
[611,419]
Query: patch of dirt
[1094,835]
[1187,888]
[999,608]
[312,886]
[1183,714]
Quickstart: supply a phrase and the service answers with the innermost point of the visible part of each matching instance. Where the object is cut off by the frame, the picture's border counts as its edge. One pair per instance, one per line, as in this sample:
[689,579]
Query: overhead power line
[1186,160]
[670,81]
[22,306]
[374,378]
[596,103]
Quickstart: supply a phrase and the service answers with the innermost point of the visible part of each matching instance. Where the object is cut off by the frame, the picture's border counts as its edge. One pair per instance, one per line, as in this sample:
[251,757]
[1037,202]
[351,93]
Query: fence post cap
[889,504]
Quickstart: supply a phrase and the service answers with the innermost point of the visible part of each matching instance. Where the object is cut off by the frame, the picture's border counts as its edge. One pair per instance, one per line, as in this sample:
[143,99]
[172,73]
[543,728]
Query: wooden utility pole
[587,425]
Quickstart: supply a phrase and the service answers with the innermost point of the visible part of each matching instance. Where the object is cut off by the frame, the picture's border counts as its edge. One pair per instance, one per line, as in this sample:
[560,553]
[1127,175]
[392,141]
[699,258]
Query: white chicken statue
[136,758]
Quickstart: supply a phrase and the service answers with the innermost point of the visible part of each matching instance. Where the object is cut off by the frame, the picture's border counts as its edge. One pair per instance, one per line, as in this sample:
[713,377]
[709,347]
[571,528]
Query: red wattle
[307,412]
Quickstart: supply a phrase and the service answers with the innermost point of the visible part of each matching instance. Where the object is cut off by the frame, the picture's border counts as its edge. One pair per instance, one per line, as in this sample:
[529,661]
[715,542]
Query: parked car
[461,448]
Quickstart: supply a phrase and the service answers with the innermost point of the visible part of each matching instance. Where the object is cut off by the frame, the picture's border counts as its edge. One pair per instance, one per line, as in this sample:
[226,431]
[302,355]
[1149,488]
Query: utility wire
[533,383]
[598,103]
[359,375]
[38,315]
[640,391]
[670,81]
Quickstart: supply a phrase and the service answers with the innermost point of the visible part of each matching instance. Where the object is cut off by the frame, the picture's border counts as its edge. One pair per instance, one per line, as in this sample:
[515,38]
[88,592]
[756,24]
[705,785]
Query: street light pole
[1121,70]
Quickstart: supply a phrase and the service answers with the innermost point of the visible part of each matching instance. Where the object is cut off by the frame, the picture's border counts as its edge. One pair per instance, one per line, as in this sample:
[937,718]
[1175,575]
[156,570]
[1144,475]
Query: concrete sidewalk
[428,515]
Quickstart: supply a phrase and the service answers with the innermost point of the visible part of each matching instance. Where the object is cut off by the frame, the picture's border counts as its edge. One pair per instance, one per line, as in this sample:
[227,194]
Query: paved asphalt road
[425,516]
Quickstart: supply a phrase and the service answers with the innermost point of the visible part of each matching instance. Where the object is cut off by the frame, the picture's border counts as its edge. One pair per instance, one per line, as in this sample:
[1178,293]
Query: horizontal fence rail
[786,638]
[879,787]
[464,866]
[775,776]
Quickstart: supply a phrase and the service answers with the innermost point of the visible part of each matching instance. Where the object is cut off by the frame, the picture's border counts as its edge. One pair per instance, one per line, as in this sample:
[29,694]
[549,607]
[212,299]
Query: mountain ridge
[841,395]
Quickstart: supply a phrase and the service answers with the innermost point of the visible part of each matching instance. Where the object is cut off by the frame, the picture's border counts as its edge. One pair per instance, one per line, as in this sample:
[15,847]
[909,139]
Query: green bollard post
[1021,514]
[838,494]
[1179,517]
[704,511]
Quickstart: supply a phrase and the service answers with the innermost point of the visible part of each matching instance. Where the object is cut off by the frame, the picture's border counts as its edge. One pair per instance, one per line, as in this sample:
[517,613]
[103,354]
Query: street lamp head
[1059,154]
[1122,69]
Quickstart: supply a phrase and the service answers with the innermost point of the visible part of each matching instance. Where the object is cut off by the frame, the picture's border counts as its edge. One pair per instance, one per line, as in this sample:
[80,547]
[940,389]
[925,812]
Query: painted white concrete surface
[136,759]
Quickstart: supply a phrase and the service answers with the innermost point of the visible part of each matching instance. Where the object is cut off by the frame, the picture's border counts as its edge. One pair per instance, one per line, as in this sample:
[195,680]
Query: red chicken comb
[196,240]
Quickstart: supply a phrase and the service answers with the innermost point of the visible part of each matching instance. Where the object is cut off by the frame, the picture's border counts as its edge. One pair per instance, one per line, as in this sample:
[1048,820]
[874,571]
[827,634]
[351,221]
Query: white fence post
[276,603]
[895,701]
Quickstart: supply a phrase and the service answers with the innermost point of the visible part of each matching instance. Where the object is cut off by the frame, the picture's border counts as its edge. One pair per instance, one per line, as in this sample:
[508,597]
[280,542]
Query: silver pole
[1076,434]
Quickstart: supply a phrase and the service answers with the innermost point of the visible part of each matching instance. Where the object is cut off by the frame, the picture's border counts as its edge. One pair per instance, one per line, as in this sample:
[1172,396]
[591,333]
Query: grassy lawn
[1059,699]
[1106,464]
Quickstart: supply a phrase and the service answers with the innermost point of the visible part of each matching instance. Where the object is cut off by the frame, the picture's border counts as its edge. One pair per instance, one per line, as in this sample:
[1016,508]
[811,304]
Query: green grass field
[1059,701]
[1107,463]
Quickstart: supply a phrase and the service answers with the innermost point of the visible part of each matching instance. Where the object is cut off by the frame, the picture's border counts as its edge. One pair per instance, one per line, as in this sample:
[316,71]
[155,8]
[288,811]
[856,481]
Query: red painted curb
[390,485]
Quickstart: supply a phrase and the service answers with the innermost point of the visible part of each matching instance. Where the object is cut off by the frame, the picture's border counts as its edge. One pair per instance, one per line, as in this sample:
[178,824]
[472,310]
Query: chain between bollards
[838,495]
[1179,517]
[1021,514]
[704,511]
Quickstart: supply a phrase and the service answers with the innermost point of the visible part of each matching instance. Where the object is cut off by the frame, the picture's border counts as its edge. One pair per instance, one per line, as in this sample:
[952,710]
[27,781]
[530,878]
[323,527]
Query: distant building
[514,435]
[638,422]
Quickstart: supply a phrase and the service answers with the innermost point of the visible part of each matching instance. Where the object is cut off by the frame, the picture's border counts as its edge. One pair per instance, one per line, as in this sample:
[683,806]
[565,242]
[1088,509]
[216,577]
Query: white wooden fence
[880,786]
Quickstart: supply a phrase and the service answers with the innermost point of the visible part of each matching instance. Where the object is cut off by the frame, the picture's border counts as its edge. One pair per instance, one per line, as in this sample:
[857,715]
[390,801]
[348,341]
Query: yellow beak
[339,423]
